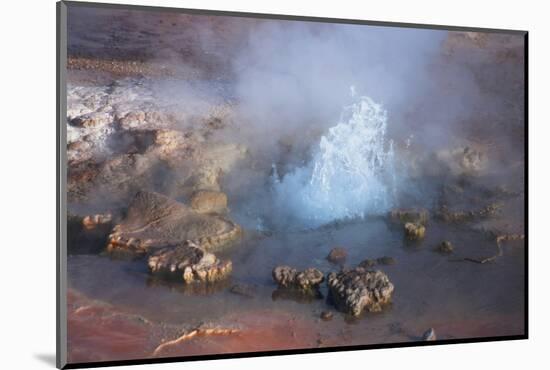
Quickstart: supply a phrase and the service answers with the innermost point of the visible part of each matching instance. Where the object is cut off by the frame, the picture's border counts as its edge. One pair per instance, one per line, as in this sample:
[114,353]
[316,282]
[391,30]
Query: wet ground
[118,311]
[458,298]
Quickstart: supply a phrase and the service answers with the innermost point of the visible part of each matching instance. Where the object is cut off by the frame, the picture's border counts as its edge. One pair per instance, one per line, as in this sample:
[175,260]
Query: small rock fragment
[445,247]
[414,231]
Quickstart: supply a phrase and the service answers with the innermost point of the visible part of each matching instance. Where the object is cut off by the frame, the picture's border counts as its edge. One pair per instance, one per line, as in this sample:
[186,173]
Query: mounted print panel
[236,184]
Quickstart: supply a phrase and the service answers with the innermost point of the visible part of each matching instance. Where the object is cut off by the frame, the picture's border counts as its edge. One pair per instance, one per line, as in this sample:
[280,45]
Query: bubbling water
[351,175]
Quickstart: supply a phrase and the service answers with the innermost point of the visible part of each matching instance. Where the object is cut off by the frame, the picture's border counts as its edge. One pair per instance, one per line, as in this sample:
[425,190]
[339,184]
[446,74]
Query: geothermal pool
[312,134]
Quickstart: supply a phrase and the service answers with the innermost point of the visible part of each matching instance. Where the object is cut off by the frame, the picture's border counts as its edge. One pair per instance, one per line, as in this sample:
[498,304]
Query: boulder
[190,263]
[154,221]
[359,289]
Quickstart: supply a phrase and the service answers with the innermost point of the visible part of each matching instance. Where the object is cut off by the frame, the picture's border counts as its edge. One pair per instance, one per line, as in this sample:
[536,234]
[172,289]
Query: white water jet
[352,173]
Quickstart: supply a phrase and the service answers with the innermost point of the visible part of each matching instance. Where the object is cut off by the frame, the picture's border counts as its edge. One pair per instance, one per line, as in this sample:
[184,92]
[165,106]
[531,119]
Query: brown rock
[154,221]
[337,255]
[358,289]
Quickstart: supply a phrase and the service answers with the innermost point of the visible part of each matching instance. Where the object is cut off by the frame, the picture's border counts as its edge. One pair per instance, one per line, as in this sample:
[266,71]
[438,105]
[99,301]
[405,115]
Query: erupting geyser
[351,174]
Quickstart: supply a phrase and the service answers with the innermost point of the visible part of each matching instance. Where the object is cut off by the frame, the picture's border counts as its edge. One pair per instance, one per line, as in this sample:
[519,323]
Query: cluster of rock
[124,138]
[351,290]
[177,240]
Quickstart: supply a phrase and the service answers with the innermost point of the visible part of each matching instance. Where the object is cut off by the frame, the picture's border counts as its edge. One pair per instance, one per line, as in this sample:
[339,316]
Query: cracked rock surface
[359,289]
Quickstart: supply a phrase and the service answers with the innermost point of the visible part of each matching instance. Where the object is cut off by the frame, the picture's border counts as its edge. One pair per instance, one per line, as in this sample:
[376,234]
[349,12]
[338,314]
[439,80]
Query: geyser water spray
[352,172]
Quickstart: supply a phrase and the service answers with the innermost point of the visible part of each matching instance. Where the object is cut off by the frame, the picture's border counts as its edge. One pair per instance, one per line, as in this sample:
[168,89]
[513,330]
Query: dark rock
[307,280]
[337,255]
[190,263]
[429,335]
[445,247]
[359,289]
[414,231]
[386,260]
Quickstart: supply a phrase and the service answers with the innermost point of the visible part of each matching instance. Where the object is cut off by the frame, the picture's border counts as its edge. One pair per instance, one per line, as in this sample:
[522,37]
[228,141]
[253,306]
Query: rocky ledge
[154,221]
[190,263]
